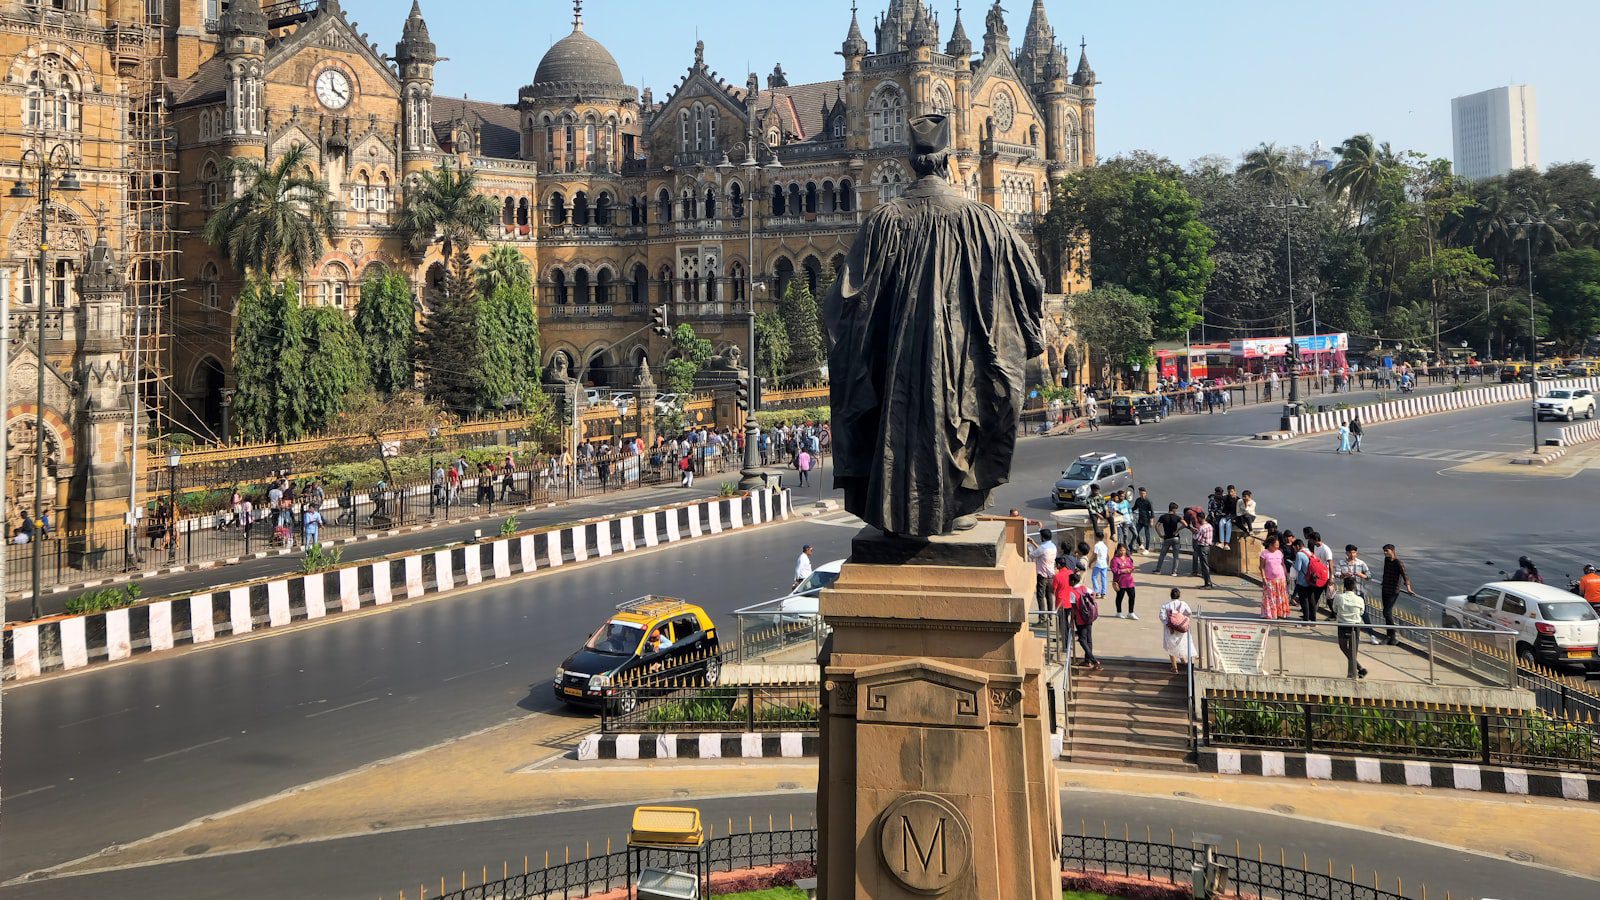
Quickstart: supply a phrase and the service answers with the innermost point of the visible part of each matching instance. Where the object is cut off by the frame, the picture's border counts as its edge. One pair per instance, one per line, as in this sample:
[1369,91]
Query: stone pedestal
[936,777]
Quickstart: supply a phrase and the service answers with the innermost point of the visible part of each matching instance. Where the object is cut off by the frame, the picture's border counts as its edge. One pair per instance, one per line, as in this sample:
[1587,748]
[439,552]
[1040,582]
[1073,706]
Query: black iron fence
[1507,738]
[1257,878]
[712,708]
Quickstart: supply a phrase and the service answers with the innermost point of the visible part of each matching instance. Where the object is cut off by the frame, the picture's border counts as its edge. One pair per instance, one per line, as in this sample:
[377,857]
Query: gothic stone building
[619,201]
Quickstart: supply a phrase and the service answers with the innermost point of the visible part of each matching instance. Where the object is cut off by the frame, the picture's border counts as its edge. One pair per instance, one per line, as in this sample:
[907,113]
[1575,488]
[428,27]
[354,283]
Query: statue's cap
[930,134]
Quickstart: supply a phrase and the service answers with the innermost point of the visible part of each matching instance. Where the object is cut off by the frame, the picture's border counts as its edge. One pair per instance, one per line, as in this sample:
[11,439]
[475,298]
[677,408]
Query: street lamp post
[1289,206]
[174,459]
[1532,354]
[750,476]
[45,165]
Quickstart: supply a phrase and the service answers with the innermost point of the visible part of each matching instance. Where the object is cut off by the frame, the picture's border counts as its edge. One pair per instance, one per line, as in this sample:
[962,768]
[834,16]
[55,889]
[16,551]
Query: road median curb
[1459,776]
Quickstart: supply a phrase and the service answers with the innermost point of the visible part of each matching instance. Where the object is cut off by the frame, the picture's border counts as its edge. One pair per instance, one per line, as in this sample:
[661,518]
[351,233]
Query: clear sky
[1183,78]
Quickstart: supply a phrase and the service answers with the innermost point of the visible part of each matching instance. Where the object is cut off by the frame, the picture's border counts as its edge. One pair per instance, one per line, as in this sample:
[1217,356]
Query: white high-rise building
[1495,131]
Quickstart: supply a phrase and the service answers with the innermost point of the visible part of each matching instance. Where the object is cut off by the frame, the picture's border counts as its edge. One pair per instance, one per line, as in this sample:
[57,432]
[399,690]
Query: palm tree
[1268,166]
[445,207]
[1359,172]
[503,266]
[280,218]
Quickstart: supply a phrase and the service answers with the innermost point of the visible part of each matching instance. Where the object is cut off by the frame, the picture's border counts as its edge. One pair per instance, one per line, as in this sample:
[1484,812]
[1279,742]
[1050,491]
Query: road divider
[73,642]
[1412,407]
[1461,776]
[1581,433]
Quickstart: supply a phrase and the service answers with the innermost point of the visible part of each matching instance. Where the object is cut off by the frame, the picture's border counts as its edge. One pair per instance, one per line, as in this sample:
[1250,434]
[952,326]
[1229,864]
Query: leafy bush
[103,599]
[509,526]
[320,559]
[777,418]
[728,489]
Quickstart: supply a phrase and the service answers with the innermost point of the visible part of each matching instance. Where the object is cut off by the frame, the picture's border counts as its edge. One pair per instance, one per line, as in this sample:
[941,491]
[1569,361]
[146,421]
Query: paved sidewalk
[156,582]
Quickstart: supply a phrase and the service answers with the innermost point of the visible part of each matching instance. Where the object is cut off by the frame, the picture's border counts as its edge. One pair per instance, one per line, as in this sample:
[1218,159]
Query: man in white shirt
[1043,554]
[1101,567]
[802,566]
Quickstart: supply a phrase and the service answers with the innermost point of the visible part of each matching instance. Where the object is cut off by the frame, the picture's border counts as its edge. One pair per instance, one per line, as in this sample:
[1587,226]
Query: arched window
[699,127]
[811,196]
[736,201]
[66,107]
[211,286]
[211,185]
[684,137]
[783,273]
[558,285]
[711,129]
[508,212]
[335,284]
[580,208]
[711,287]
[711,203]
[572,147]
[838,127]
[941,99]
[888,110]
[358,193]
[580,286]
[664,206]
[795,207]
[522,212]
[641,284]
[665,284]
[813,270]
[779,207]
[891,182]
[558,208]
[602,210]
[380,194]
[603,287]
[830,199]
[686,201]
[846,197]
[34,115]
[736,280]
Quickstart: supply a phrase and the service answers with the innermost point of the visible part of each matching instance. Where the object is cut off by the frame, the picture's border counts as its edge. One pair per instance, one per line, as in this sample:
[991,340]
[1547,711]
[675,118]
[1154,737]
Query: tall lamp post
[750,476]
[174,459]
[1532,355]
[1289,206]
[45,166]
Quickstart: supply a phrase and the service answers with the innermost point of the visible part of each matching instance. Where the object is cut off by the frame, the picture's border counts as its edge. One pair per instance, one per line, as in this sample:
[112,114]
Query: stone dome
[578,59]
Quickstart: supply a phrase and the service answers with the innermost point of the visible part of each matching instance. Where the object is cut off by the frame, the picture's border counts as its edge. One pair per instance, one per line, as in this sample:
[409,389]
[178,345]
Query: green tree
[1446,277]
[798,309]
[445,207]
[1358,174]
[1269,167]
[372,416]
[1569,283]
[386,321]
[503,266]
[450,351]
[279,220]
[269,363]
[692,353]
[336,364]
[1117,325]
[772,347]
[1144,234]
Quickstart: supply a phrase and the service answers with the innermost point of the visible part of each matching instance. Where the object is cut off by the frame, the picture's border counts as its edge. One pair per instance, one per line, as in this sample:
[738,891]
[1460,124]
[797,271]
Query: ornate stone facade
[621,202]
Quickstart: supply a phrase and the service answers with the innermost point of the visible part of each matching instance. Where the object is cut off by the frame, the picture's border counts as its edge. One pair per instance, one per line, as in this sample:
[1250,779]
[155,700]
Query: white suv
[1553,627]
[1566,403]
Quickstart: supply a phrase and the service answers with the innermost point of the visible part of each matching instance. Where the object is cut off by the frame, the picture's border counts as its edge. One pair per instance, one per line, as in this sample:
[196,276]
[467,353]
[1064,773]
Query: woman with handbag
[1176,618]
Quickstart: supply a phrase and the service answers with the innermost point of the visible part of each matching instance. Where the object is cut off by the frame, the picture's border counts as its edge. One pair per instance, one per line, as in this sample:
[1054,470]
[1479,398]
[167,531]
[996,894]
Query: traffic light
[658,320]
[742,392]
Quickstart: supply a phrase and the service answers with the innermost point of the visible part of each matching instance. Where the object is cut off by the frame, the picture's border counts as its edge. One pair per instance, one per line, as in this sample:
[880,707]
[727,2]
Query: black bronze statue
[933,319]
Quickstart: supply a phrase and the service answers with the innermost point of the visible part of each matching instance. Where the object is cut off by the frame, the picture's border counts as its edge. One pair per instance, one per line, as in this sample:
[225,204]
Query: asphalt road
[382,865]
[117,753]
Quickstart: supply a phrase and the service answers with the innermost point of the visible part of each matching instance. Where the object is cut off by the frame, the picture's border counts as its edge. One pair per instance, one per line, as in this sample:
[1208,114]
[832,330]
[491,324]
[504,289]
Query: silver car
[1111,471]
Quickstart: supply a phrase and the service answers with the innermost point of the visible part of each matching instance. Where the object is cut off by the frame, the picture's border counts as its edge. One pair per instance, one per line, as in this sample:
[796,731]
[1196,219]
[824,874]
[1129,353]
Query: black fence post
[1205,720]
[750,710]
[1309,728]
[1483,738]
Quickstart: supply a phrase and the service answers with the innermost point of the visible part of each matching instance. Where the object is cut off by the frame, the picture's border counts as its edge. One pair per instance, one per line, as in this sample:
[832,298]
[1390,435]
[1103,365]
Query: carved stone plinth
[936,777]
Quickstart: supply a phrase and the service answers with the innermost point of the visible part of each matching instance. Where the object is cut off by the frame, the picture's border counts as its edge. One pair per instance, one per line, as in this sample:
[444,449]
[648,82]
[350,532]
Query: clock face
[1003,112]
[333,89]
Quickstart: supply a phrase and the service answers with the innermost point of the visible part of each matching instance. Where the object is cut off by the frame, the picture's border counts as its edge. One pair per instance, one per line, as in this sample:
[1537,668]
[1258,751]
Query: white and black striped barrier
[1412,407]
[72,642]
[1407,772]
[1580,433]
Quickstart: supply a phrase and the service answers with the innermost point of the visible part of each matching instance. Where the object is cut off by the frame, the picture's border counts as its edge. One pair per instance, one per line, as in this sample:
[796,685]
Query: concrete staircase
[1131,713]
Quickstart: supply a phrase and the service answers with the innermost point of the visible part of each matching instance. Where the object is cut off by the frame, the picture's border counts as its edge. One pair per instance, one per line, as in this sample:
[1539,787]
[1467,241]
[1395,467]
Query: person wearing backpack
[1310,577]
[1085,610]
[1176,620]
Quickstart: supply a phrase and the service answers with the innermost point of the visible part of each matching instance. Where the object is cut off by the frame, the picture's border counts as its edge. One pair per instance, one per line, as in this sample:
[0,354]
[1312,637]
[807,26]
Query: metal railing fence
[712,708]
[1249,878]
[1490,737]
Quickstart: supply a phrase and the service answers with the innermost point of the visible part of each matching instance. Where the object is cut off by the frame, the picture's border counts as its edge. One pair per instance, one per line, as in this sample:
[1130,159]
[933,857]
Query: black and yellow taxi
[648,634]
[1133,409]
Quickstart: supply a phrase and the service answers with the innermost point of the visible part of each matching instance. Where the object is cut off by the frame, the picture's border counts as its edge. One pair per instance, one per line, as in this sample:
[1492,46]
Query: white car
[622,401]
[1553,627]
[666,401]
[805,600]
[1566,403]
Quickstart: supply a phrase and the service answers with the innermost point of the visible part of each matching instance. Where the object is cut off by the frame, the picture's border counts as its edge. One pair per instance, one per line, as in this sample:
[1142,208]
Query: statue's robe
[933,320]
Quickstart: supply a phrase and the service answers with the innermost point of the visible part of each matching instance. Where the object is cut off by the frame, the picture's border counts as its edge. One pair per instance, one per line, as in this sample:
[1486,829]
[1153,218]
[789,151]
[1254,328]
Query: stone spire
[244,17]
[1085,74]
[996,39]
[1038,44]
[923,33]
[102,275]
[894,31]
[960,45]
[855,44]
[415,44]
